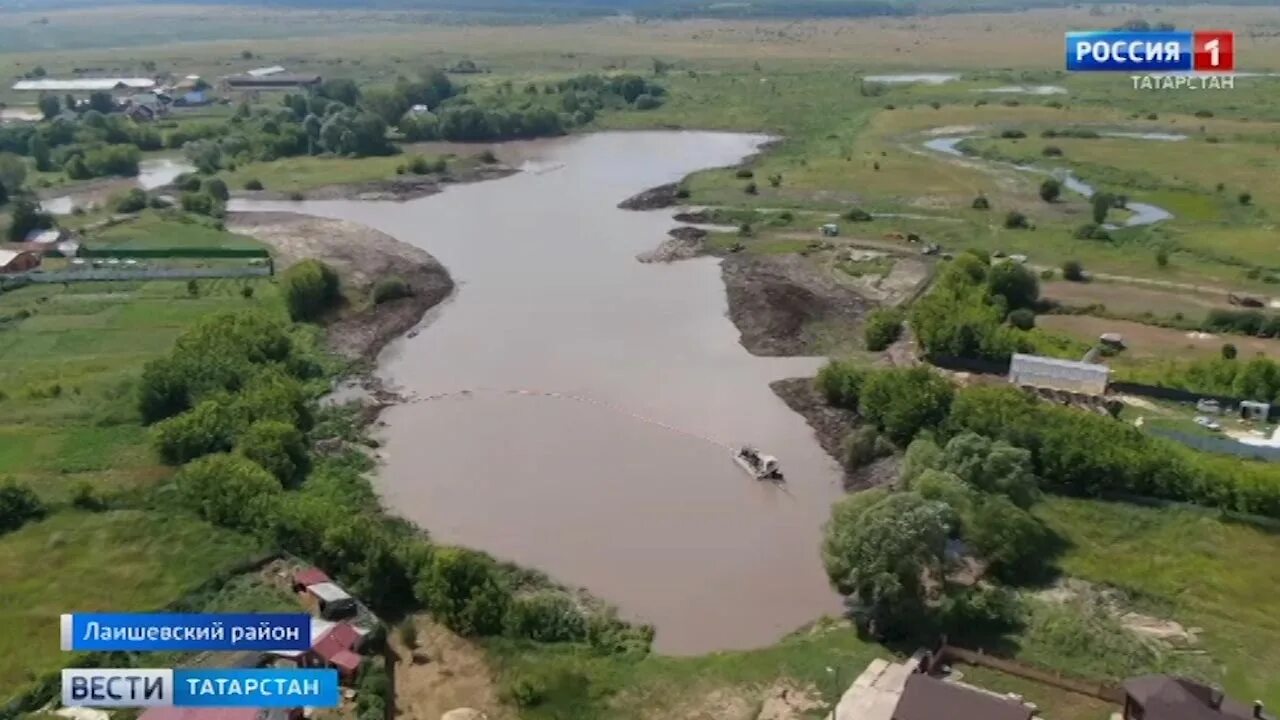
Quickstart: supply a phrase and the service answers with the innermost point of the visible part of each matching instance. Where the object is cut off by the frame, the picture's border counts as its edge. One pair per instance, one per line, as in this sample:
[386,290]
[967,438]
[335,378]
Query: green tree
[884,326]
[1072,270]
[38,149]
[1229,352]
[465,590]
[50,107]
[217,189]
[18,505]
[922,454]
[1050,190]
[388,104]
[135,200]
[1023,319]
[310,288]
[1162,257]
[342,90]
[1101,203]
[13,172]
[992,467]
[228,490]
[1013,541]
[1015,283]
[26,216]
[902,402]
[880,551]
[102,102]
[210,427]
[278,447]
[841,383]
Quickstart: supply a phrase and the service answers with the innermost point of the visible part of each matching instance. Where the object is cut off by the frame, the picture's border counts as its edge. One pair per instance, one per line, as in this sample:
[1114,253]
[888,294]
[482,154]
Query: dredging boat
[757,464]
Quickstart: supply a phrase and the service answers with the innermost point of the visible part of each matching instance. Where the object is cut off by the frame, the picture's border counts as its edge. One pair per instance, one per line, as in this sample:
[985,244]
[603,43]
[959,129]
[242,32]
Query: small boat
[758,465]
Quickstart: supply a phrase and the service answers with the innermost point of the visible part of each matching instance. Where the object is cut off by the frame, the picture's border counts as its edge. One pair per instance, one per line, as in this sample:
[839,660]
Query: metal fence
[115,274]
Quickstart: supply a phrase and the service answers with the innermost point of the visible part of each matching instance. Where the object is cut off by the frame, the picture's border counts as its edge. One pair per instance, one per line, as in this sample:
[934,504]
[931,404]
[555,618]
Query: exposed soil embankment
[399,189]
[361,256]
[776,300]
[684,243]
[831,425]
[663,196]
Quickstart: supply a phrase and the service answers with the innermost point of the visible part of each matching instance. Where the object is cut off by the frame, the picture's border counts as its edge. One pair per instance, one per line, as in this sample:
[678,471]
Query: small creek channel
[623,483]
[152,173]
[1142,213]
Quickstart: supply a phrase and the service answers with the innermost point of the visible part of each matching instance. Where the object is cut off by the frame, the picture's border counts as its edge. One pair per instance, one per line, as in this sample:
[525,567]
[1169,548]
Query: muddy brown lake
[575,409]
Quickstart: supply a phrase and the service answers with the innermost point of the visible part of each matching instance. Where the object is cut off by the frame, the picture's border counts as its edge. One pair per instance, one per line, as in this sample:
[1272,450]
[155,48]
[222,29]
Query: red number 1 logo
[1215,51]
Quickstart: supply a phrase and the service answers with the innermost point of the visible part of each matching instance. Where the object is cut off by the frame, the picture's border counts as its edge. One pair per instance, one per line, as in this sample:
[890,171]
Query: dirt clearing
[443,673]
[361,256]
[1148,341]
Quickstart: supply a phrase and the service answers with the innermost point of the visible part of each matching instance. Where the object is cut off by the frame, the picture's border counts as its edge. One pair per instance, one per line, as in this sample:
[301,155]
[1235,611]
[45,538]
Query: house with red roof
[338,648]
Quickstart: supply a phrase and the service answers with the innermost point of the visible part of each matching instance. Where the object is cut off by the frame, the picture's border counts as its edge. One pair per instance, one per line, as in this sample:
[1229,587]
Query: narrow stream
[1142,213]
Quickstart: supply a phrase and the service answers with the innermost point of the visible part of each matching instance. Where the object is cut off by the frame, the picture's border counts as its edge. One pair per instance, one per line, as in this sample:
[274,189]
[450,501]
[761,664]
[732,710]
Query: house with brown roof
[338,648]
[1164,697]
[925,697]
[906,691]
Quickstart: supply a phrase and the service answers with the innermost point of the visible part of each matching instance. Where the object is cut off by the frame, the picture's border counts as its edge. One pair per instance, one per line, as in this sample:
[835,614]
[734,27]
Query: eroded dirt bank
[361,256]
[777,300]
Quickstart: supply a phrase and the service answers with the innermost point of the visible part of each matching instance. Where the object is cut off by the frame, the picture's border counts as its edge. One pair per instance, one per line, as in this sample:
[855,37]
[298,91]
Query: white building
[85,84]
[1055,374]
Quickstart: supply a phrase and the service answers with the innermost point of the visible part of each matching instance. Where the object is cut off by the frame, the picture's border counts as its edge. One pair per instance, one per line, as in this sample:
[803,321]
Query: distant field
[306,173]
[1150,342]
[117,560]
[1133,299]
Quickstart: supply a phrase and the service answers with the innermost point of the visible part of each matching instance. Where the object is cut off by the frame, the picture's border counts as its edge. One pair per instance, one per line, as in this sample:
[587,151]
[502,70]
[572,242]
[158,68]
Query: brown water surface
[612,469]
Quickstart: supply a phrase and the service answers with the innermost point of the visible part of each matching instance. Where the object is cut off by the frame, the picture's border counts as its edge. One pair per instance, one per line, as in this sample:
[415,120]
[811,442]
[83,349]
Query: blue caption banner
[179,687]
[255,688]
[1134,52]
[186,631]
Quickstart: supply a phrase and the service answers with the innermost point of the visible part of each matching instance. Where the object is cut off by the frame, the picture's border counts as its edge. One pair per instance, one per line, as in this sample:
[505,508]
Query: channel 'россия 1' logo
[1204,51]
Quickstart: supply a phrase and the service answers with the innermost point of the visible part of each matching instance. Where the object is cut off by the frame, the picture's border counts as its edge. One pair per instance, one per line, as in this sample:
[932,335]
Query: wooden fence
[1103,691]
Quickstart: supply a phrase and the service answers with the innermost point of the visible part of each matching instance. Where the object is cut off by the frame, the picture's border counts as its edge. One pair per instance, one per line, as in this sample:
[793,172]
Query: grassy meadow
[113,560]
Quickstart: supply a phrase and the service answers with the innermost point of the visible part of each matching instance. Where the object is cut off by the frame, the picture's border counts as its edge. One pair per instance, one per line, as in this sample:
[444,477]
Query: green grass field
[307,173]
[116,560]
[1192,567]
[69,356]
[167,229]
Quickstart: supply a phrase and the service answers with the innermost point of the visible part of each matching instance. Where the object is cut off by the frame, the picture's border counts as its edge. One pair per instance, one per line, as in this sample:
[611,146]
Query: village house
[1164,697]
[906,691]
[18,261]
[278,81]
[332,602]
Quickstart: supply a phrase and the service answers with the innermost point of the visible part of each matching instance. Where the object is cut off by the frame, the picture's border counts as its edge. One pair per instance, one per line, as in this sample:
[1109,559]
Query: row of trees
[1073,451]
[1255,379]
[95,144]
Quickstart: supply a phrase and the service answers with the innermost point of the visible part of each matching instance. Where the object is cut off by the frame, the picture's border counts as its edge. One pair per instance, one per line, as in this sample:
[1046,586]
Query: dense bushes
[546,617]
[1256,379]
[132,201]
[310,288]
[841,384]
[902,402]
[1095,455]
[392,288]
[883,328]
[963,316]
[465,591]
[222,353]
[277,446]
[228,490]
[18,505]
